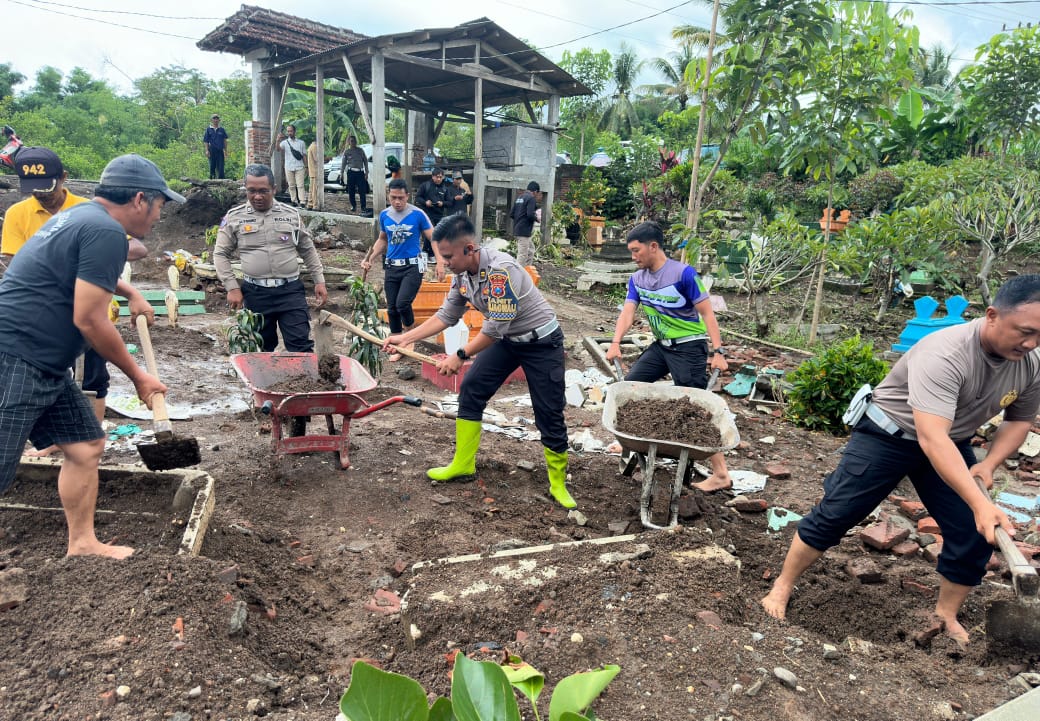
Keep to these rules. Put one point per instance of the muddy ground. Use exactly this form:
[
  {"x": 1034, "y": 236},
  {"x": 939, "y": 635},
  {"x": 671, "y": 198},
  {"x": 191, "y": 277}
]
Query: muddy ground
[{"x": 319, "y": 558}]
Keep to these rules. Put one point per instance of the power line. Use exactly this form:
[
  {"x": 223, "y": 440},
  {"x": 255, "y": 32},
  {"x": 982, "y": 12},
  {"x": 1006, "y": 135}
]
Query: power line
[
  {"x": 125, "y": 12},
  {"x": 103, "y": 22}
]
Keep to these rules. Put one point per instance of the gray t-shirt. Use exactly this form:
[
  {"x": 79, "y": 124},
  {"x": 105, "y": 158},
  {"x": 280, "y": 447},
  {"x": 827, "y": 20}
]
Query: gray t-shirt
[
  {"x": 503, "y": 291},
  {"x": 37, "y": 292},
  {"x": 948, "y": 374}
]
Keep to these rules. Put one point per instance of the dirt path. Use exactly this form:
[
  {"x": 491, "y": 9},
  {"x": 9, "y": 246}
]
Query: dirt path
[{"x": 318, "y": 559}]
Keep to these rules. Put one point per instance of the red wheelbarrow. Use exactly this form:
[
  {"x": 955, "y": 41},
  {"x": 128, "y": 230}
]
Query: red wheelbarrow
[{"x": 261, "y": 371}]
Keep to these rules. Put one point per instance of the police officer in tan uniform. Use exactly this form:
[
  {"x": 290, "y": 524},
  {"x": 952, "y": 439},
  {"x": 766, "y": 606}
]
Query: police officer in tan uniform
[
  {"x": 519, "y": 330},
  {"x": 269, "y": 237}
]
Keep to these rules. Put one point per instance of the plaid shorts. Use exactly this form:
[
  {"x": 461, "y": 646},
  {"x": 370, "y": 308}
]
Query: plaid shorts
[{"x": 40, "y": 407}]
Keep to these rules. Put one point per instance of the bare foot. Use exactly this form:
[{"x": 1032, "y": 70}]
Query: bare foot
[
  {"x": 714, "y": 483},
  {"x": 775, "y": 603},
  {"x": 956, "y": 631},
  {"x": 97, "y": 548},
  {"x": 44, "y": 453}
]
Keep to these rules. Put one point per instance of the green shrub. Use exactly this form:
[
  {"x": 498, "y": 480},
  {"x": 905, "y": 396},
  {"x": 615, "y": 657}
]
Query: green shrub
[
  {"x": 873, "y": 192},
  {"x": 822, "y": 386}
]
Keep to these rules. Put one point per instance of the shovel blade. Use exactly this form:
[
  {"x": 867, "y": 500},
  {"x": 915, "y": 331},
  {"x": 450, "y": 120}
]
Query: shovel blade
[
  {"x": 1014, "y": 623},
  {"x": 175, "y": 453}
]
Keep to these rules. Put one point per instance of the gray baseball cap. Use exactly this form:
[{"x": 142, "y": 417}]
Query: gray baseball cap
[{"x": 133, "y": 171}]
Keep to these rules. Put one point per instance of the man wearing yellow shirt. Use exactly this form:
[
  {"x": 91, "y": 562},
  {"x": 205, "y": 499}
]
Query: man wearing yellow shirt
[{"x": 43, "y": 179}]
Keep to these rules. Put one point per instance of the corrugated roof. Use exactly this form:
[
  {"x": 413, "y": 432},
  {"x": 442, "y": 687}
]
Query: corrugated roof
[{"x": 287, "y": 36}]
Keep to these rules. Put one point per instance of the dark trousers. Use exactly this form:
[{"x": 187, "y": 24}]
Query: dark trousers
[
  {"x": 542, "y": 362},
  {"x": 284, "y": 308},
  {"x": 687, "y": 362},
  {"x": 870, "y": 468},
  {"x": 216, "y": 164},
  {"x": 401, "y": 285},
  {"x": 95, "y": 373},
  {"x": 356, "y": 183}
]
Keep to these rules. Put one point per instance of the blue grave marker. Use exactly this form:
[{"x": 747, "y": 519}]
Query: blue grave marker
[{"x": 923, "y": 323}]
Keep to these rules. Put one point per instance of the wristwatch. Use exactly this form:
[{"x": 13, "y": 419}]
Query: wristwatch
[
  {"x": 461, "y": 353},
  {"x": 719, "y": 351}
]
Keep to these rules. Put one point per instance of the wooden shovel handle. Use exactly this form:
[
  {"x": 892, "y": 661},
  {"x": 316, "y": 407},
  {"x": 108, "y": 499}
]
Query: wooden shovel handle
[
  {"x": 345, "y": 324},
  {"x": 1024, "y": 576},
  {"x": 159, "y": 412}
]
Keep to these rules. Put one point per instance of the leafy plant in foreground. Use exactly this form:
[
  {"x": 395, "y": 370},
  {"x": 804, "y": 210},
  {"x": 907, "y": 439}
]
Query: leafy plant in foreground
[
  {"x": 822, "y": 387},
  {"x": 480, "y": 691},
  {"x": 244, "y": 336},
  {"x": 365, "y": 314}
]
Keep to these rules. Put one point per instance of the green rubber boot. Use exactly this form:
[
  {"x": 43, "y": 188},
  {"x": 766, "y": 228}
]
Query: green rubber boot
[
  {"x": 467, "y": 441},
  {"x": 557, "y": 464}
]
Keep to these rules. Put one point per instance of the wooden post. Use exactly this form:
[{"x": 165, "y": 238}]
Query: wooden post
[
  {"x": 378, "y": 169},
  {"x": 359, "y": 98},
  {"x": 479, "y": 172},
  {"x": 318, "y": 183}
]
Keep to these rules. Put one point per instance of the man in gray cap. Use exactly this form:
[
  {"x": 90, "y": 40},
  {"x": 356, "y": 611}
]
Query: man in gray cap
[{"x": 54, "y": 300}]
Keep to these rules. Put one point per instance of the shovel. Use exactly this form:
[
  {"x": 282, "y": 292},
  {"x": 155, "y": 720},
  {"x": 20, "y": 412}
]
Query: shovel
[
  {"x": 1017, "y": 622},
  {"x": 168, "y": 451},
  {"x": 327, "y": 318}
]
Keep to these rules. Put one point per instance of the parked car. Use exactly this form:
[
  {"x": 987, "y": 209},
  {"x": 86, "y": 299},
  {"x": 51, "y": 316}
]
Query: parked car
[{"x": 334, "y": 171}]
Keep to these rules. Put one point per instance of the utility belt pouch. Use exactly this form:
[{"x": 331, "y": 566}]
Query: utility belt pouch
[{"x": 858, "y": 405}]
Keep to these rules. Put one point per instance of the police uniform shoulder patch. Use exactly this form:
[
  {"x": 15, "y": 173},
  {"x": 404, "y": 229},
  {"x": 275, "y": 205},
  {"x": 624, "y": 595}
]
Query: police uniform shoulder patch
[{"x": 501, "y": 298}]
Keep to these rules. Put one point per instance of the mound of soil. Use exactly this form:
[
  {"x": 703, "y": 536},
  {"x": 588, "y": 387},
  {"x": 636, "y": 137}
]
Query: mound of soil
[{"x": 669, "y": 420}]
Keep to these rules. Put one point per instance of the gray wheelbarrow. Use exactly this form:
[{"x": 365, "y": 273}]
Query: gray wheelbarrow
[{"x": 646, "y": 451}]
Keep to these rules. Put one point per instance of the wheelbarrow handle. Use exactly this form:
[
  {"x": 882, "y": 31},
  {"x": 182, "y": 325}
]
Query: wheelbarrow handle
[
  {"x": 413, "y": 401},
  {"x": 267, "y": 408}
]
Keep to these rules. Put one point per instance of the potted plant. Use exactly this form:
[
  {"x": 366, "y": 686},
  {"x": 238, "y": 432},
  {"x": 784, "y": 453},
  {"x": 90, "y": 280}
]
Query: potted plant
[
  {"x": 564, "y": 221},
  {"x": 588, "y": 195}
]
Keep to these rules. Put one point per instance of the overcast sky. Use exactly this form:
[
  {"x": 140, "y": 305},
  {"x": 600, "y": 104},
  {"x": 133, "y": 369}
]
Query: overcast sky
[{"x": 122, "y": 39}]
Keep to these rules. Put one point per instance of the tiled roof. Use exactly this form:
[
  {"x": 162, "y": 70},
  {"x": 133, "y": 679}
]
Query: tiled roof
[{"x": 289, "y": 37}]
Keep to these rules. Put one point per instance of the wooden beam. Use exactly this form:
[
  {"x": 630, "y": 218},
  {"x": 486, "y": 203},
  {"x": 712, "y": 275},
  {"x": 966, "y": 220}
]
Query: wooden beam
[
  {"x": 430, "y": 47},
  {"x": 439, "y": 126},
  {"x": 276, "y": 162},
  {"x": 517, "y": 67},
  {"x": 359, "y": 97},
  {"x": 530, "y": 110},
  {"x": 469, "y": 70},
  {"x": 317, "y": 196},
  {"x": 276, "y": 126}
]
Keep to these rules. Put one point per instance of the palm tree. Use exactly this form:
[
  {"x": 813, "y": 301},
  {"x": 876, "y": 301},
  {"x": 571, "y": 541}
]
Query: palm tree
[
  {"x": 673, "y": 68},
  {"x": 933, "y": 68},
  {"x": 619, "y": 114}
]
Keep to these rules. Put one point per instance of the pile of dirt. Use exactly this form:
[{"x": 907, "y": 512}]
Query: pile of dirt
[
  {"x": 670, "y": 420},
  {"x": 304, "y": 384}
]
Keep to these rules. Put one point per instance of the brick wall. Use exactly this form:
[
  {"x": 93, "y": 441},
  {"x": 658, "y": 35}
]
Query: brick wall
[
  {"x": 258, "y": 142},
  {"x": 565, "y": 176}
]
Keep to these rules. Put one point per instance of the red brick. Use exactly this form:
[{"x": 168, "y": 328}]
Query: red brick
[
  {"x": 108, "y": 698},
  {"x": 906, "y": 548},
  {"x": 307, "y": 561},
  {"x": 521, "y": 636},
  {"x": 883, "y": 536},
  {"x": 748, "y": 505},
  {"x": 864, "y": 570},
  {"x": 399, "y": 567},
  {"x": 928, "y": 525},
  {"x": 1025, "y": 475},
  {"x": 931, "y": 552},
  {"x": 897, "y": 499},
  {"x": 543, "y": 606},
  {"x": 934, "y": 627},
  {"x": 914, "y": 510},
  {"x": 709, "y": 618},
  {"x": 777, "y": 470},
  {"x": 909, "y": 584},
  {"x": 384, "y": 602}
]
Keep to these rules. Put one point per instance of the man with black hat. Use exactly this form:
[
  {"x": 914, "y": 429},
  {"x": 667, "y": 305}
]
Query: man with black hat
[
  {"x": 434, "y": 197},
  {"x": 460, "y": 194},
  {"x": 524, "y": 215},
  {"x": 215, "y": 142},
  {"x": 54, "y": 300},
  {"x": 43, "y": 177}
]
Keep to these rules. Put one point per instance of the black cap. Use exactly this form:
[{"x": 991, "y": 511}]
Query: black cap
[
  {"x": 214, "y": 116},
  {"x": 133, "y": 171},
  {"x": 457, "y": 175},
  {"x": 40, "y": 169},
  {"x": 533, "y": 187}
]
